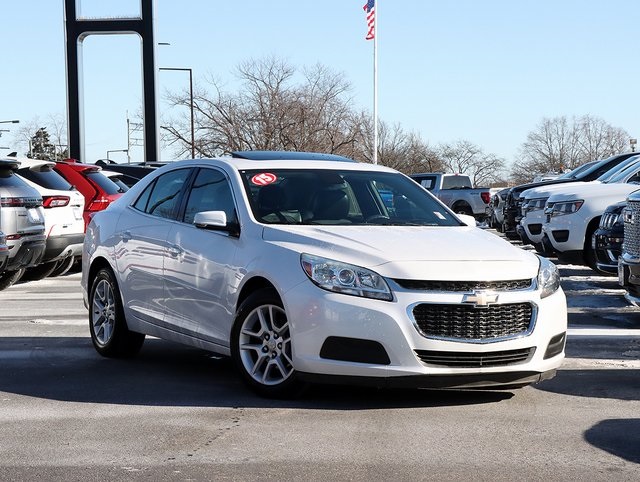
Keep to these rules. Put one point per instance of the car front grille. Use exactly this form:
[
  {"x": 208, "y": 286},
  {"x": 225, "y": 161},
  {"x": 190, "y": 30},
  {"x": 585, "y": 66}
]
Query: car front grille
[
  {"x": 456, "y": 359},
  {"x": 428, "y": 285},
  {"x": 462, "y": 322},
  {"x": 631, "y": 244},
  {"x": 608, "y": 220}
]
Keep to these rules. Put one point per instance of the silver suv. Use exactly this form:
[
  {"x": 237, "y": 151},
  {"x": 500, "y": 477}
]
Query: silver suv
[{"x": 22, "y": 222}]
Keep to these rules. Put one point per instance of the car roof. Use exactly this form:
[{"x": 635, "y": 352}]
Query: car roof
[
  {"x": 240, "y": 164},
  {"x": 9, "y": 163},
  {"x": 288, "y": 155},
  {"x": 79, "y": 166},
  {"x": 30, "y": 163}
]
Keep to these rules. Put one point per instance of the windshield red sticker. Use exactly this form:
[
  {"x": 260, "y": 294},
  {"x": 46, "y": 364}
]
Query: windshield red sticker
[{"x": 263, "y": 179}]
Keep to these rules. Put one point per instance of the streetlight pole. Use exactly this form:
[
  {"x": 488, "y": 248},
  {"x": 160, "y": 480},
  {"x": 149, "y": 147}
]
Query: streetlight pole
[
  {"x": 117, "y": 150},
  {"x": 10, "y": 122},
  {"x": 193, "y": 130}
]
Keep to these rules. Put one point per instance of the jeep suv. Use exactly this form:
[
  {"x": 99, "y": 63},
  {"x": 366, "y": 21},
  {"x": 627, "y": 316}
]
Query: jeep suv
[
  {"x": 63, "y": 209},
  {"x": 22, "y": 222}
]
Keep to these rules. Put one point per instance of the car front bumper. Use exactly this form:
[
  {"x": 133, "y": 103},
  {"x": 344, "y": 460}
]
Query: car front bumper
[
  {"x": 382, "y": 343},
  {"x": 607, "y": 245},
  {"x": 629, "y": 278}
]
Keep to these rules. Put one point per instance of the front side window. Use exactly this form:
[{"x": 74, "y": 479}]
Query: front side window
[
  {"x": 336, "y": 197},
  {"x": 210, "y": 192},
  {"x": 161, "y": 198}
]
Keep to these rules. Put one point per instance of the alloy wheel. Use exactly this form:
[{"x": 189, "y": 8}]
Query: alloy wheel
[{"x": 265, "y": 345}]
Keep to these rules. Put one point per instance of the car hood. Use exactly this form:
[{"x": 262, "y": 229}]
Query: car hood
[
  {"x": 546, "y": 191},
  {"x": 412, "y": 252},
  {"x": 590, "y": 191}
]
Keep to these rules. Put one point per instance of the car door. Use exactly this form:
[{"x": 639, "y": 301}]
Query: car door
[
  {"x": 199, "y": 271},
  {"x": 142, "y": 245}
]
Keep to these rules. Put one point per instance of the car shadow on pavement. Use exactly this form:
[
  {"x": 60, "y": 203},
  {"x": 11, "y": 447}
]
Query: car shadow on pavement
[
  {"x": 168, "y": 374},
  {"x": 619, "y": 437},
  {"x": 616, "y": 383}
]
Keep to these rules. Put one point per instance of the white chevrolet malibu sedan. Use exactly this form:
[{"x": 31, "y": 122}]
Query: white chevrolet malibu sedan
[{"x": 307, "y": 269}]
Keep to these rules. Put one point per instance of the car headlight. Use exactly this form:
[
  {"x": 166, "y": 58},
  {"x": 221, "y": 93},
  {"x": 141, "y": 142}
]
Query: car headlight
[
  {"x": 536, "y": 204},
  {"x": 345, "y": 278},
  {"x": 548, "y": 277},
  {"x": 567, "y": 207}
]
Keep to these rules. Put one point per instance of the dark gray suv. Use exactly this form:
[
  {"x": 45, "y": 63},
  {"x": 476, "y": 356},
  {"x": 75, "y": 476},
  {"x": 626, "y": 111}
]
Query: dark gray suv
[{"x": 22, "y": 222}]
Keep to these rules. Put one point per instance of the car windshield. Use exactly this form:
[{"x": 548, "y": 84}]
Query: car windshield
[
  {"x": 341, "y": 197},
  {"x": 630, "y": 166},
  {"x": 572, "y": 174}
]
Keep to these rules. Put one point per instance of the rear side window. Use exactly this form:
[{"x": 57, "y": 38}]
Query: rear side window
[
  {"x": 46, "y": 177},
  {"x": 106, "y": 184},
  {"x": 427, "y": 182},
  {"x": 162, "y": 197},
  {"x": 456, "y": 182}
]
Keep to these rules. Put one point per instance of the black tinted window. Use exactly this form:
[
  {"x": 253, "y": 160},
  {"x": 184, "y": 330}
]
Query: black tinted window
[
  {"x": 46, "y": 177},
  {"x": 103, "y": 181},
  {"x": 210, "y": 192},
  {"x": 164, "y": 194}
]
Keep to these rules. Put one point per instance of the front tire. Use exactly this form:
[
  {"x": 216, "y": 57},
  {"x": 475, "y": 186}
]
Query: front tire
[
  {"x": 261, "y": 346},
  {"x": 109, "y": 332}
]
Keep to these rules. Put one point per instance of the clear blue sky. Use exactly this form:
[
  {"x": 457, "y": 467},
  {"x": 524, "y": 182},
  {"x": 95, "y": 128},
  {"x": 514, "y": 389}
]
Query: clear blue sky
[{"x": 486, "y": 71}]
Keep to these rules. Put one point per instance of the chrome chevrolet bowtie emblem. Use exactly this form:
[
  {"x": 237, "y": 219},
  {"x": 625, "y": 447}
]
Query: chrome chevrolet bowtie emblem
[{"x": 480, "y": 299}]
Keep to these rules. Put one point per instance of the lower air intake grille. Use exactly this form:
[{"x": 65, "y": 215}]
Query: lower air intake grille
[
  {"x": 466, "y": 322},
  {"x": 475, "y": 360}
]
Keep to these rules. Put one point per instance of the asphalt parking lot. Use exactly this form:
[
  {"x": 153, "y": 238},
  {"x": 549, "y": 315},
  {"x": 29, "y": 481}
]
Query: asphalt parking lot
[{"x": 177, "y": 413}]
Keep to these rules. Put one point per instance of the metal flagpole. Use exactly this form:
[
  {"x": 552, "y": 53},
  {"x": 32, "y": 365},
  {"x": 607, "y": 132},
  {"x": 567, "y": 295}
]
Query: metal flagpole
[{"x": 375, "y": 83}]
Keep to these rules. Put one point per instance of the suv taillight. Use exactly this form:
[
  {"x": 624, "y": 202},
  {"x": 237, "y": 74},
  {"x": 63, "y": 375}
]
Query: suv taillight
[
  {"x": 20, "y": 202},
  {"x": 485, "y": 196},
  {"x": 55, "y": 201},
  {"x": 98, "y": 204}
]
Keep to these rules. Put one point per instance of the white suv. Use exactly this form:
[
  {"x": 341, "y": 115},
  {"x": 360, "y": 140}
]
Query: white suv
[
  {"x": 573, "y": 214},
  {"x": 63, "y": 208},
  {"x": 22, "y": 222},
  {"x": 318, "y": 270}
]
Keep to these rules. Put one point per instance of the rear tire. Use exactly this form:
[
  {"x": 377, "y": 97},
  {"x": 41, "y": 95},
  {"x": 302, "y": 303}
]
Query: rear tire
[
  {"x": 63, "y": 266},
  {"x": 7, "y": 278},
  {"x": 39, "y": 272},
  {"x": 463, "y": 209},
  {"x": 109, "y": 332}
]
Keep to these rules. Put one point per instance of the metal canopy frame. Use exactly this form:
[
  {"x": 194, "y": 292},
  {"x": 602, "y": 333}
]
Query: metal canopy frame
[{"x": 77, "y": 30}]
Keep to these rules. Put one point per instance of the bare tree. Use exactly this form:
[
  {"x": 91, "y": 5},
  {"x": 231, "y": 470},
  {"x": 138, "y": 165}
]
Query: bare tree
[
  {"x": 271, "y": 112},
  {"x": 557, "y": 144},
  {"x": 465, "y": 157}
]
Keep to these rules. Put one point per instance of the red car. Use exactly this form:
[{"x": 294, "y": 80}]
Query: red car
[{"x": 98, "y": 190}]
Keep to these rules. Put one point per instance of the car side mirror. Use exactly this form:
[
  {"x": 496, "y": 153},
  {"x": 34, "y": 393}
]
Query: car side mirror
[
  {"x": 216, "y": 221},
  {"x": 468, "y": 220}
]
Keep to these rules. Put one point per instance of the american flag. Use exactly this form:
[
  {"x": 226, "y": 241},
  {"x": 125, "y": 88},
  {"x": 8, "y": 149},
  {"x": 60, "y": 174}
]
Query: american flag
[{"x": 371, "y": 19}]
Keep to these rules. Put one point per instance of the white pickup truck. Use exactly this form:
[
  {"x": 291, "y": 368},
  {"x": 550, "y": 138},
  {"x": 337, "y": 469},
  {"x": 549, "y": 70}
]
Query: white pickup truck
[{"x": 457, "y": 192}]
